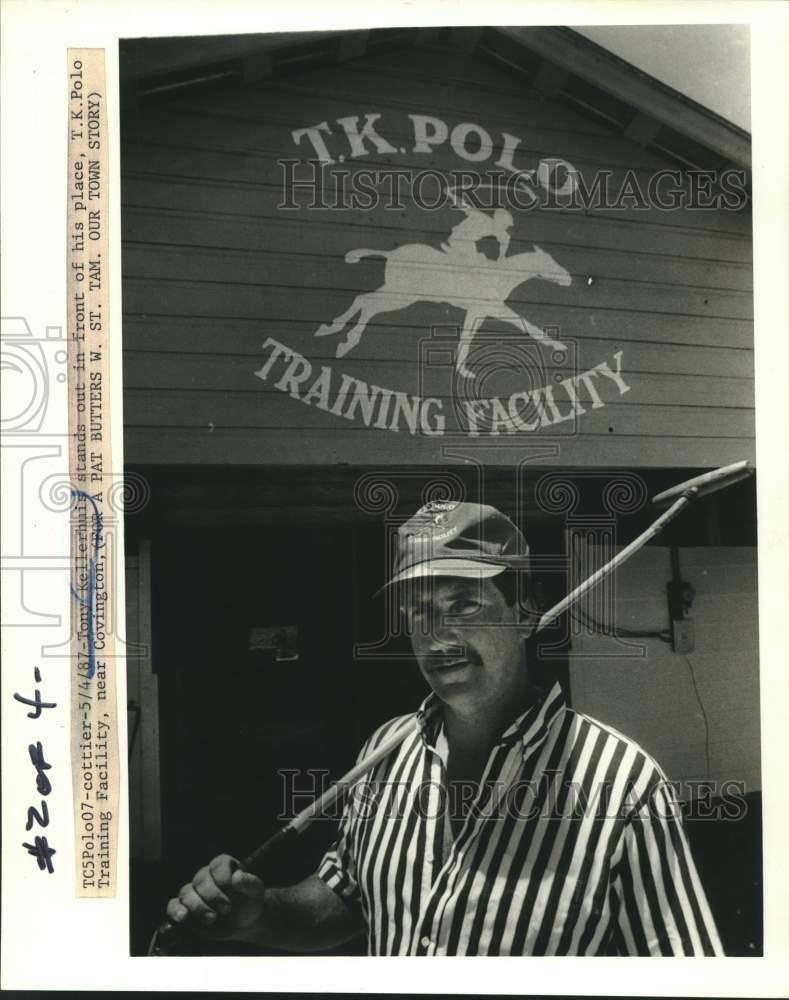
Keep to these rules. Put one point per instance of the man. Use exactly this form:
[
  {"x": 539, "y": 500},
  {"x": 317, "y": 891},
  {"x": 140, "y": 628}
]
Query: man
[
  {"x": 463, "y": 239},
  {"x": 505, "y": 823}
]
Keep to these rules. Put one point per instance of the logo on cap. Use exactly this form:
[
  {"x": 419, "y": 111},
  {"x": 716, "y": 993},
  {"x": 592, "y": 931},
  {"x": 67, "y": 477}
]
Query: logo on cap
[{"x": 438, "y": 511}]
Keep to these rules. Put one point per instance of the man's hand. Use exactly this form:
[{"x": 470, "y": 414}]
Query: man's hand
[{"x": 221, "y": 902}]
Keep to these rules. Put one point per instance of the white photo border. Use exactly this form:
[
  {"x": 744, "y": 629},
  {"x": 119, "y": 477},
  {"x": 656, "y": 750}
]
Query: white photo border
[{"x": 50, "y": 939}]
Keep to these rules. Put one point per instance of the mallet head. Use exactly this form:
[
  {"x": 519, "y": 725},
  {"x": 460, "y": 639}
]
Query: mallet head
[{"x": 708, "y": 482}]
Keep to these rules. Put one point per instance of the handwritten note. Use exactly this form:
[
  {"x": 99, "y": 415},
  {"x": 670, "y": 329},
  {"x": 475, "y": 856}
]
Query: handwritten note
[{"x": 38, "y": 815}]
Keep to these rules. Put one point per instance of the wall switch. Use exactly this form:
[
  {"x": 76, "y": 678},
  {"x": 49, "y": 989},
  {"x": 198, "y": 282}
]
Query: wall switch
[{"x": 684, "y": 635}]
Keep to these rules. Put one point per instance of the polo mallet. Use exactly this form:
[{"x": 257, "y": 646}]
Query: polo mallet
[{"x": 678, "y": 498}]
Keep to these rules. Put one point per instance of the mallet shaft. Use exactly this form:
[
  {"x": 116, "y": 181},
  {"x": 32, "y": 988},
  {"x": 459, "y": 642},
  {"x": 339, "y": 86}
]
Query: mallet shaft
[
  {"x": 618, "y": 559},
  {"x": 329, "y": 797}
]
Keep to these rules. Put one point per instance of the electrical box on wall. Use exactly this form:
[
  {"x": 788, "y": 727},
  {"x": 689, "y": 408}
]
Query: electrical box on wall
[
  {"x": 683, "y": 635},
  {"x": 680, "y": 595}
]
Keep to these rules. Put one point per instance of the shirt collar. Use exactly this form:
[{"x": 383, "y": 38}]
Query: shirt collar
[{"x": 530, "y": 727}]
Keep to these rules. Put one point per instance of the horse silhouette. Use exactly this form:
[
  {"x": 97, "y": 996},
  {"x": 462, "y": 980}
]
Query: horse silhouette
[{"x": 416, "y": 272}]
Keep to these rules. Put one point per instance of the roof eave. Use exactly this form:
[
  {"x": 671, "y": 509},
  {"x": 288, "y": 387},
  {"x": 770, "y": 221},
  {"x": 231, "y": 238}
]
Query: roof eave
[{"x": 584, "y": 59}]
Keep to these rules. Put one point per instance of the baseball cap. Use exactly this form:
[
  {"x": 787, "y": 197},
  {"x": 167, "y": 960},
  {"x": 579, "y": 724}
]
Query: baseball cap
[{"x": 455, "y": 538}]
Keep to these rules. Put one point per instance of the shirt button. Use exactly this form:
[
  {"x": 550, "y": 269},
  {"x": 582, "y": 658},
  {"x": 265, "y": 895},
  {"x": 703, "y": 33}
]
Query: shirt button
[{"x": 425, "y": 942}]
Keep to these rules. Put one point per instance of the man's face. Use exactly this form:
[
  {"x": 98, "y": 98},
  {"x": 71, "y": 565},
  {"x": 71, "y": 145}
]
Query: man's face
[{"x": 467, "y": 641}]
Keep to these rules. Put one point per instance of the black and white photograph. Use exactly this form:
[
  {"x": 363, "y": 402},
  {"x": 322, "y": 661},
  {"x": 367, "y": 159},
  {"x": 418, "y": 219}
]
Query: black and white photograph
[
  {"x": 394, "y": 497},
  {"x": 442, "y": 582}
]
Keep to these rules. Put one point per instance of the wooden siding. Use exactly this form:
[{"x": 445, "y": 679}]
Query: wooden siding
[{"x": 212, "y": 268}]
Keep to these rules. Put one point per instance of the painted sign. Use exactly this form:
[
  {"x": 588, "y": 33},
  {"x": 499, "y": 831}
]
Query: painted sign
[
  {"x": 460, "y": 275},
  {"x": 455, "y": 274},
  {"x": 378, "y": 261},
  {"x": 524, "y": 411}
]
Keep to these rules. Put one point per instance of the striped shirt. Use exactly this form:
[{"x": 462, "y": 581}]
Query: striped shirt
[{"x": 573, "y": 845}]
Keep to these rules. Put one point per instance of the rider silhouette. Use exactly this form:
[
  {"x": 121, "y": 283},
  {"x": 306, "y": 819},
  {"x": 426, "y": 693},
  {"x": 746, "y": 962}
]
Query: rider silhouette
[{"x": 477, "y": 226}]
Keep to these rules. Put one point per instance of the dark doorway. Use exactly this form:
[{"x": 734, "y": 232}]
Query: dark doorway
[{"x": 240, "y": 557}]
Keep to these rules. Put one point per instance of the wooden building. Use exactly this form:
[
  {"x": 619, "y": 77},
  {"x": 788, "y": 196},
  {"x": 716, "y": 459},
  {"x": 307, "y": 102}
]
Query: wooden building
[{"x": 290, "y": 400}]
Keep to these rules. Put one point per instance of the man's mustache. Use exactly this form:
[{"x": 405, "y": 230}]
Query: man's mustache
[{"x": 440, "y": 661}]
